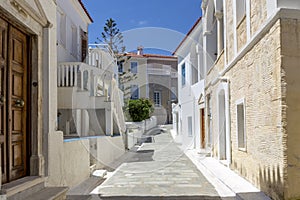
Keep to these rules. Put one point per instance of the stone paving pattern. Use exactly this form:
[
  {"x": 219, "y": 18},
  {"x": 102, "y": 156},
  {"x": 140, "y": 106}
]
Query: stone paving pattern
[{"x": 160, "y": 169}]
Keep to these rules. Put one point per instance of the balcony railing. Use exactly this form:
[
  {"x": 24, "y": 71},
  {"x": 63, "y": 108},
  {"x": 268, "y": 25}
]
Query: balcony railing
[{"x": 95, "y": 76}]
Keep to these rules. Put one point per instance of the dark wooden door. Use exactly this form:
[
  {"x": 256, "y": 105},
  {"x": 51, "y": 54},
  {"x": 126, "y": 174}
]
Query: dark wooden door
[
  {"x": 202, "y": 128},
  {"x": 13, "y": 108},
  {"x": 3, "y": 102}
]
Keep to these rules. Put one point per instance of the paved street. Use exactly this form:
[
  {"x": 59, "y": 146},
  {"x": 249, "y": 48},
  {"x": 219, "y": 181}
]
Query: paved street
[{"x": 158, "y": 169}]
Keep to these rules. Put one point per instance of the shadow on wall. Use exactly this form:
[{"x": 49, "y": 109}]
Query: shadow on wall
[{"x": 271, "y": 181}]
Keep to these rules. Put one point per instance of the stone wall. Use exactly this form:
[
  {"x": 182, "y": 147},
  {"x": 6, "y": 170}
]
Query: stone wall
[
  {"x": 258, "y": 13},
  {"x": 256, "y": 78},
  {"x": 290, "y": 39},
  {"x": 229, "y": 31}
]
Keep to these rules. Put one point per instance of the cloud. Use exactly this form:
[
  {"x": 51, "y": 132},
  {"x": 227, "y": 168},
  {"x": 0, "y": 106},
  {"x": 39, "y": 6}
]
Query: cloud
[
  {"x": 138, "y": 23},
  {"x": 144, "y": 22}
]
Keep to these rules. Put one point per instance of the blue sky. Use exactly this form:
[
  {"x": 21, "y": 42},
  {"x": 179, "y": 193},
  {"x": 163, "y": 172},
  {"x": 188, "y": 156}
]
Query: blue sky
[{"x": 169, "y": 20}]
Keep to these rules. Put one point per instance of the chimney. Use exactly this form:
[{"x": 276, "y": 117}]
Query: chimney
[{"x": 140, "y": 50}]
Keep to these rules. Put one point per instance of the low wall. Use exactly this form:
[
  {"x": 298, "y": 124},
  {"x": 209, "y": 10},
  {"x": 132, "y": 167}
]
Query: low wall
[
  {"x": 69, "y": 160},
  {"x": 76, "y": 161},
  {"x": 105, "y": 150}
]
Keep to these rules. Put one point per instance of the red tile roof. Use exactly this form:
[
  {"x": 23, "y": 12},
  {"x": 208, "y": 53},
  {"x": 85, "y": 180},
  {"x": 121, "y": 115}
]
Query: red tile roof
[
  {"x": 85, "y": 10},
  {"x": 149, "y": 56},
  {"x": 187, "y": 35}
]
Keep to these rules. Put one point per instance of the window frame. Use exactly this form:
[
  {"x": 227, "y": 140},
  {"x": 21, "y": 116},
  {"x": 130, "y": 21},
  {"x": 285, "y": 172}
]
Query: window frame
[
  {"x": 183, "y": 75},
  {"x": 120, "y": 66},
  {"x": 159, "y": 99},
  {"x": 132, "y": 91},
  {"x": 74, "y": 46},
  {"x": 241, "y": 102},
  {"x": 240, "y": 16},
  {"x": 62, "y": 37},
  {"x": 132, "y": 62}
]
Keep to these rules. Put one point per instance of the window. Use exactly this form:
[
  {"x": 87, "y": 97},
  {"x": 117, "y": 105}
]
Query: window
[
  {"x": 134, "y": 92},
  {"x": 120, "y": 68},
  {"x": 240, "y": 10},
  {"x": 133, "y": 67},
  {"x": 74, "y": 41},
  {"x": 157, "y": 98},
  {"x": 84, "y": 45},
  {"x": 190, "y": 126},
  {"x": 241, "y": 125},
  {"x": 62, "y": 27},
  {"x": 173, "y": 93},
  {"x": 183, "y": 74}
]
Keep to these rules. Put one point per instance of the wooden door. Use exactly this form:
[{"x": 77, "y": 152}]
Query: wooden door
[
  {"x": 202, "y": 122},
  {"x": 3, "y": 102},
  {"x": 17, "y": 98},
  {"x": 13, "y": 102}
]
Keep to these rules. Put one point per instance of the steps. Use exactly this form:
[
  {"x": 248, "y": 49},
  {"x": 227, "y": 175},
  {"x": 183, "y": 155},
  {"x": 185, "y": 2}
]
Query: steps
[
  {"x": 33, "y": 188},
  {"x": 82, "y": 191},
  {"x": 50, "y": 193}
]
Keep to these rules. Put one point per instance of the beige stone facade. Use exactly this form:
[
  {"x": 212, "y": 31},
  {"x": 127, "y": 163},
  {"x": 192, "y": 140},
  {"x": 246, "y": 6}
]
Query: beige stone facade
[
  {"x": 259, "y": 71},
  {"x": 155, "y": 74}
]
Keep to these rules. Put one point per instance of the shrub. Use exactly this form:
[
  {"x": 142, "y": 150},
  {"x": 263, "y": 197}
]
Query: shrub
[{"x": 139, "y": 109}]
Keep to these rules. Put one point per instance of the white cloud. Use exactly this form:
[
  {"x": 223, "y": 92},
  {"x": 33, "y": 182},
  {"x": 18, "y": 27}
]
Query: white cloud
[{"x": 144, "y": 22}]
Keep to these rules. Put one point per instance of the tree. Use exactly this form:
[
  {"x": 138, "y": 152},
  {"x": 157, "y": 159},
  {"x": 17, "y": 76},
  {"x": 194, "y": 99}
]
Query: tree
[
  {"x": 139, "y": 109},
  {"x": 113, "y": 37}
]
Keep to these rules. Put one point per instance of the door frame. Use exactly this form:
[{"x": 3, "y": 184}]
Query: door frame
[
  {"x": 224, "y": 88},
  {"x": 35, "y": 158},
  {"x": 9, "y": 107}
]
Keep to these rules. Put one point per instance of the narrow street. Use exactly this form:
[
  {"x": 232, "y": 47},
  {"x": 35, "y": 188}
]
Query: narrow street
[{"x": 157, "y": 170}]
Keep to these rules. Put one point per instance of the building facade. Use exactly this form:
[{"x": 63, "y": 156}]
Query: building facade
[
  {"x": 188, "y": 114},
  {"x": 153, "y": 77},
  {"x": 28, "y": 103},
  {"x": 251, "y": 92}
]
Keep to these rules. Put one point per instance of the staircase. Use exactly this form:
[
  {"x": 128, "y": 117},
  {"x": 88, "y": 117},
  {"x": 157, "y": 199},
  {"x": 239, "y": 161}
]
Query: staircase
[
  {"x": 33, "y": 188},
  {"x": 92, "y": 86}
]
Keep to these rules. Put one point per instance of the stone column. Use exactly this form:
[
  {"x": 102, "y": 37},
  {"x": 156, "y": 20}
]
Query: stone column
[{"x": 219, "y": 16}]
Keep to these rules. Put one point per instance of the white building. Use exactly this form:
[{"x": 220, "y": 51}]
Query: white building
[
  {"x": 88, "y": 94},
  {"x": 188, "y": 114}
]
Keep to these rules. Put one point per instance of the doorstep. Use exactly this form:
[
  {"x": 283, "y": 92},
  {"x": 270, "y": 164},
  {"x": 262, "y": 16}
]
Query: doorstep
[
  {"x": 22, "y": 184},
  {"x": 226, "y": 182}
]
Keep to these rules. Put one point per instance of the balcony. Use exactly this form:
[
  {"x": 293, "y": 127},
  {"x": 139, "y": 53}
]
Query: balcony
[{"x": 84, "y": 87}]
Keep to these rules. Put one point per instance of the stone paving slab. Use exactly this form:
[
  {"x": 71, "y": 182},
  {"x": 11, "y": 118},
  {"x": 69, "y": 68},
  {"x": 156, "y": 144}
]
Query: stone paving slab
[{"x": 169, "y": 173}]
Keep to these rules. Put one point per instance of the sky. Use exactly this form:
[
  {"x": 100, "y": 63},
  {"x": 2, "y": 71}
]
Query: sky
[{"x": 153, "y": 24}]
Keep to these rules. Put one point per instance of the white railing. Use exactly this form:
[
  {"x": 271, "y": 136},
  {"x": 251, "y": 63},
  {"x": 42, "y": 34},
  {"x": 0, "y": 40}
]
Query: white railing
[
  {"x": 80, "y": 75},
  {"x": 118, "y": 110},
  {"x": 97, "y": 71},
  {"x": 96, "y": 56},
  {"x": 157, "y": 71}
]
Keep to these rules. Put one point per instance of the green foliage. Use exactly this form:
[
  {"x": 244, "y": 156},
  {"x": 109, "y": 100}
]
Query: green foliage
[
  {"x": 112, "y": 36},
  {"x": 139, "y": 109}
]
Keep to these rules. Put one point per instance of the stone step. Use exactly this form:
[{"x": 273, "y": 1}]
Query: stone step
[
  {"x": 33, "y": 188},
  {"x": 79, "y": 197},
  {"x": 23, "y": 187},
  {"x": 49, "y": 193},
  {"x": 86, "y": 186}
]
